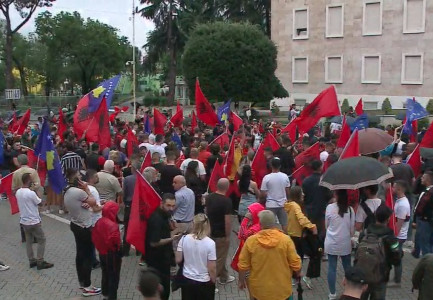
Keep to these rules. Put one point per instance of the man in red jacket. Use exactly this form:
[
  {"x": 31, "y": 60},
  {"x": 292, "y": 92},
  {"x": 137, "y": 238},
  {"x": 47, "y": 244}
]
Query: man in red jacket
[{"x": 106, "y": 238}]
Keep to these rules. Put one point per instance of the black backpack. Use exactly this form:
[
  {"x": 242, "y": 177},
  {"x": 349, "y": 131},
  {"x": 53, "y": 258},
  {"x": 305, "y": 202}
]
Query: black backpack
[{"x": 371, "y": 218}]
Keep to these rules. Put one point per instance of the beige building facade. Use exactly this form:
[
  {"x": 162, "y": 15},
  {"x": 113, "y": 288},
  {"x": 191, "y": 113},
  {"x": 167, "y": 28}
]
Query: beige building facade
[{"x": 369, "y": 49}]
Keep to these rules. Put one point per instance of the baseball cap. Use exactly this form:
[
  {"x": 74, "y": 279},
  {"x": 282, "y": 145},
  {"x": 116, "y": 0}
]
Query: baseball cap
[{"x": 355, "y": 274}]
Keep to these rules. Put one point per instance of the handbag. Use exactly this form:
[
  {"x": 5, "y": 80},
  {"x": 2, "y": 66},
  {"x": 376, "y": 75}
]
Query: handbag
[{"x": 179, "y": 280}]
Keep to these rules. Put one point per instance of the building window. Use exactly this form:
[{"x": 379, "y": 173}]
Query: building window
[
  {"x": 300, "y": 23},
  {"x": 414, "y": 16},
  {"x": 300, "y": 103},
  {"x": 299, "y": 69},
  {"x": 334, "y": 20},
  {"x": 334, "y": 69},
  {"x": 370, "y": 105},
  {"x": 412, "y": 68},
  {"x": 371, "y": 69},
  {"x": 372, "y": 17}
]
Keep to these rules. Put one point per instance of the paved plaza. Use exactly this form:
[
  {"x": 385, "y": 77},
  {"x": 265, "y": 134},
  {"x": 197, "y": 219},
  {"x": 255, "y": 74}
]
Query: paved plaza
[{"x": 60, "y": 282}]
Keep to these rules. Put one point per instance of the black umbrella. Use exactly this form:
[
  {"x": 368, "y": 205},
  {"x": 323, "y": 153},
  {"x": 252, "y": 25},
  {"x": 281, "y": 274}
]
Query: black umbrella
[
  {"x": 300, "y": 290},
  {"x": 354, "y": 173}
]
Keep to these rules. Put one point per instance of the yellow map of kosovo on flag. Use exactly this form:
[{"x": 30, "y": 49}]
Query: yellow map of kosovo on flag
[{"x": 50, "y": 160}]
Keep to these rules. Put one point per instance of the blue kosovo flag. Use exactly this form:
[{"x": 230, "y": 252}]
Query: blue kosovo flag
[
  {"x": 175, "y": 138},
  {"x": 224, "y": 112},
  {"x": 147, "y": 128},
  {"x": 2, "y": 150},
  {"x": 45, "y": 149},
  {"x": 105, "y": 89},
  {"x": 361, "y": 122}
]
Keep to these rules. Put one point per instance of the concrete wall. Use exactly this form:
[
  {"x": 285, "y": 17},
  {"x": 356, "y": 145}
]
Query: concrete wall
[{"x": 352, "y": 46}]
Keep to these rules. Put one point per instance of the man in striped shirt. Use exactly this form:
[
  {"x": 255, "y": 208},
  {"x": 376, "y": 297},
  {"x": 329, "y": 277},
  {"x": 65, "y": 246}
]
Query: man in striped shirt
[{"x": 71, "y": 160}]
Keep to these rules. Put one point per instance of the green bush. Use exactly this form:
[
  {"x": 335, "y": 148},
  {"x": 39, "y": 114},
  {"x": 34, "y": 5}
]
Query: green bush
[
  {"x": 386, "y": 106},
  {"x": 345, "y": 106},
  {"x": 429, "y": 107},
  {"x": 423, "y": 123},
  {"x": 154, "y": 101}
]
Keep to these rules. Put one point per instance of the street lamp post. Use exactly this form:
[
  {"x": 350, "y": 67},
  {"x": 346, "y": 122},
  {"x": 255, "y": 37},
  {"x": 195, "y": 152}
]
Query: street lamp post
[{"x": 133, "y": 59}]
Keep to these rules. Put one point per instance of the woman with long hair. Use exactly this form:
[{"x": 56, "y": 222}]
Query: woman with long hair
[
  {"x": 340, "y": 227},
  {"x": 195, "y": 184},
  {"x": 198, "y": 253},
  {"x": 249, "y": 191}
]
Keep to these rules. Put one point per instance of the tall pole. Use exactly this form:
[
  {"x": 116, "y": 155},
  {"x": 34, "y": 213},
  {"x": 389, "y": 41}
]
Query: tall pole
[{"x": 133, "y": 60}]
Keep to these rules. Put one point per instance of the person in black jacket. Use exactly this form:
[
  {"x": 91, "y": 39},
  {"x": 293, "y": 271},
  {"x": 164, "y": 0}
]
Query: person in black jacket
[
  {"x": 392, "y": 252},
  {"x": 285, "y": 155}
]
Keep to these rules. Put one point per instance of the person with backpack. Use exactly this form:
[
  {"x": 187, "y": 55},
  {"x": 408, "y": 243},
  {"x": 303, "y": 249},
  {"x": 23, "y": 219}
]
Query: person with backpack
[
  {"x": 367, "y": 208},
  {"x": 340, "y": 227},
  {"x": 377, "y": 251}
]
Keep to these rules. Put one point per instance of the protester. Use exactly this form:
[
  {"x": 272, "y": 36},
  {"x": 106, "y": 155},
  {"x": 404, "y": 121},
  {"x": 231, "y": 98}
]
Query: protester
[
  {"x": 194, "y": 183},
  {"x": 168, "y": 172},
  {"x": 339, "y": 222},
  {"x": 297, "y": 222},
  {"x": 159, "y": 243},
  {"x": 204, "y": 154},
  {"x": 108, "y": 186},
  {"x": 93, "y": 159},
  {"x": 106, "y": 237},
  {"x": 128, "y": 193},
  {"x": 91, "y": 177},
  {"x": 159, "y": 146},
  {"x": 285, "y": 155},
  {"x": 375, "y": 258},
  {"x": 249, "y": 191},
  {"x": 262, "y": 255},
  {"x": 193, "y": 156},
  {"x": 354, "y": 284},
  {"x": 367, "y": 207},
  {"x": 28, "y": 202},
  {"x": 421, "y": 277},
  {"x": 185, "y": 206},
  {"x": 402, "y": 216},
  {"x": 149, "y": 284},
  {"x": 316, "y": 198},
  {"x": 219, "y": 211},
  {"x": 276, "y": 186},
  {"x": 424, "y": 216},
  {"x": 198, "y": 254},
  {"x": 78, "y": 201}
]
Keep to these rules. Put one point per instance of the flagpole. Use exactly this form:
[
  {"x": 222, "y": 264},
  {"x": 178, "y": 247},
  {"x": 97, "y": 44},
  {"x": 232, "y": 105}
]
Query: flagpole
[{"x": 133, "y": 60}]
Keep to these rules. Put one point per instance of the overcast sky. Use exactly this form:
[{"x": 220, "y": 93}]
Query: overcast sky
[{"x": 117, "y": 13}]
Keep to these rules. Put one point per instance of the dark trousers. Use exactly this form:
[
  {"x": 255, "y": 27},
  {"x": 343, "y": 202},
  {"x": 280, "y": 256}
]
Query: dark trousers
[
  {"x": 164, "y": 274},
  {"x": 195, "y": 290},
  {"x": 110, "y": 267},
  {"x": 83, "y": 258},
  {"x": 398, "y": 269},
  {"x": 126, "y": 215},
  {"x": 375, "y": 292},
  {"x": 298, "y": 245}
]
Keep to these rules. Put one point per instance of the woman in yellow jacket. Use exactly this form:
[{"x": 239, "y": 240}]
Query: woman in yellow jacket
[{"x": 297, "y": 222}]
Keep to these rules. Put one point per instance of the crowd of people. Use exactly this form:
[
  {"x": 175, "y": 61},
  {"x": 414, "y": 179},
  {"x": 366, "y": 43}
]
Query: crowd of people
[{"x": 282, "y": 223}]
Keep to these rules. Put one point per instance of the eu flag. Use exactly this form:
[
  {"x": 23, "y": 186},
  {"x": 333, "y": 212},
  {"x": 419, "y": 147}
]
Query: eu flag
[
  {"x": 361, "y": 122},
  {"x": 176, "y": 139},
  {"x": 224, "y": 112},
  {"x": 105, "y": 89},
  {"x": 414, "y": 111},
  {"x": 45, "y": 148},
  {"x": 2, "y": 142}
]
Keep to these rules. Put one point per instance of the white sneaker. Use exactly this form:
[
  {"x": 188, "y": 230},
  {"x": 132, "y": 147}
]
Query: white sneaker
[
  {"x": 216, "y": 291},
  {"x": 332, "y": 296},
  {"x": 61, "y": 212},
  {"x": 4, "y": 267},
  {"x": 229, "y": 279},
  {"x": 307, "y": 282}
]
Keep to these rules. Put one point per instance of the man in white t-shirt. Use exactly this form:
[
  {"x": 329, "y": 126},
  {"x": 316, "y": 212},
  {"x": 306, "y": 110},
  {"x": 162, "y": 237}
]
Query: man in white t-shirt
[
  {"x": 276, "y": 186},
  {"x": 159, "y": 146},
  {"x": 402, "y": 216},
  {"x": 372, "y": 203},
  {"x": 30, "y": 219},
  {"x": 193, "y": 156}
]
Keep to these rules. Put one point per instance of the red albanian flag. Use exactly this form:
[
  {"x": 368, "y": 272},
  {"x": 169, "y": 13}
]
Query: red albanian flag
[
  {"x": 21, "y": 125},
  {"x": 345, "y": 134},
  {"x": 159, "y": 121},
  {"x": 6, "y": 187},
  {"x": 312, "y": 153},
  {"x": 205, "y": 112},
  {"x": 359, "y": 109}
]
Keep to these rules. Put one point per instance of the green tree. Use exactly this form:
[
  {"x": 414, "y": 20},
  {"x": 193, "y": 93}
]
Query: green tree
[
  {"x": 88, "y": 48},
  {"x": 345, "y": 106},
  {"x": 386, "y": 106},
  {"x": 429, "y": 107},
  {"x": 233, "y": 61},
  {"x": 25, "y": 9}
]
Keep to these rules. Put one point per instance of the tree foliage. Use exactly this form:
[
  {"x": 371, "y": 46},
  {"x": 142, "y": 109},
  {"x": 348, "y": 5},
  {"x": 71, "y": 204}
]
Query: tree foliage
[
  {"x": 345, "y": 106},
  {"x": 233, "y": 61},
  {"x": 429, "y": 107},
  {"x": 89, "y": 49},
  {"x": 386, "y": 106}
]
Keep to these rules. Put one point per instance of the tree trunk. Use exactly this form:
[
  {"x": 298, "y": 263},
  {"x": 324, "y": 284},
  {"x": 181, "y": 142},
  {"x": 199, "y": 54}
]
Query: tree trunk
[
  {"x": 22, "y": 76},
  {"x": 8, "y": 61},
  {"x": 268, "y": 19},
  {"x": 172, "y": 53}
]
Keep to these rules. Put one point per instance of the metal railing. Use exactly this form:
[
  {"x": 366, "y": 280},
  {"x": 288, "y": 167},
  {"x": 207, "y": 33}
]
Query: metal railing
[{"x": 37, "y": 103}]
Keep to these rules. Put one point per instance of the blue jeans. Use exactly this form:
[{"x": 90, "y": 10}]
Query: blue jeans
[
  {"x": 423, "y": 237},
  {"x": 332, "y": 269}
]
